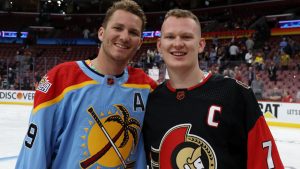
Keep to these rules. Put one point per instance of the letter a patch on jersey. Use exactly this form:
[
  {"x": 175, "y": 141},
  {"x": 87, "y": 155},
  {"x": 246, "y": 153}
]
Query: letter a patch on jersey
[{"x": 138, "y": 102}]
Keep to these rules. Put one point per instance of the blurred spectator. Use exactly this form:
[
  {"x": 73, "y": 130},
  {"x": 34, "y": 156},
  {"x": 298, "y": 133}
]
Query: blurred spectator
[
  {"x": 283, "y": 43},
  {"x": 11, "y": 77},
  {"x": 272, "y": 72},
  {"x": 26, "y": 82},
  {"x": 215, "y": 41},
  {"x": 157, "y": 58},
  {"x": 30, "y": 61},
  {"x": 237, "y": 73},
  {"x": 221, "y": 54},
  {"x": 284, "y": 60},
  {"x": 212, "y": 55},
  {"x": 276, "y": 58},
  {"x": 292, "y": 45},
  {"x": 149, "y": 58},
  {"x": 251, "y": 75},
  {"x": 259, "y": 61},
  {"x": 249, "y": 43},
  {"x": 86, "y": 33},
  {"x": 234, "y": 52},
  {"x": 288, "y": 48},
  {"x": 215, "y": 70},
  {"x": 275, "y": 94},
  {"x": 19, "y": 56},
  {"x": 298, "y": 66},
  {"x": 249, "y": 58},
  {"x": 228, "y": 72},
  {"x": 257, "y": 86},
  {"x": 286, "y": 97},
  {"x": 266, "y": 50}
]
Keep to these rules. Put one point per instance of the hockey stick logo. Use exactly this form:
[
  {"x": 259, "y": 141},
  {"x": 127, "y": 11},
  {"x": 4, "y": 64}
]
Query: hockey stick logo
[{"x": 129, "y": 125}]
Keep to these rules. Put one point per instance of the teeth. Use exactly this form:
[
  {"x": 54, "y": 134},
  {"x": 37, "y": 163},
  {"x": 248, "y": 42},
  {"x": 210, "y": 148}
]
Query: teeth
[
  {"x": 121, "y": 46},
  {"x": 178, "y": 53}
]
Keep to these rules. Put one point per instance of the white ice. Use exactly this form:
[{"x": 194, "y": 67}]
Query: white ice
[
  {"x": 14, "y": 123},
  {"x": 13, "y": 126}
]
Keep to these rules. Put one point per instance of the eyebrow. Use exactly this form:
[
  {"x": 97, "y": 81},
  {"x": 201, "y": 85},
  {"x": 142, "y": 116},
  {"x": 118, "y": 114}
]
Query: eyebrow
[
  {"x": 130, "y": 29},
  {"x": 180, "y": 34}
]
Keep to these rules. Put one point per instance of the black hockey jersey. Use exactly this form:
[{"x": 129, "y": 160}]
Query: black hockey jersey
[{"x": 215, "y": 124}]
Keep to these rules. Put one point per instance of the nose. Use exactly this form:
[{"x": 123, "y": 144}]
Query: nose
[
  {"x": 124, "y": 36},
  {"x": 178, "y": 43}
]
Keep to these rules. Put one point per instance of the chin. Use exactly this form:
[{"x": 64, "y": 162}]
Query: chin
[{"x": 178, "y": 66}]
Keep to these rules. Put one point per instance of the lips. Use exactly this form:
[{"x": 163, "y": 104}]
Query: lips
[
  {"x": 176, "y": 53},
  {"x": 122, "y": 46}
]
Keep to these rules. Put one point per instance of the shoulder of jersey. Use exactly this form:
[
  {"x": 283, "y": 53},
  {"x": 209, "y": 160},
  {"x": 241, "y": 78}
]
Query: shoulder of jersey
[
  {"x": 138, "y": 76},
  {"x": 220, "y": 78},
  {"x": 61, "y": 79}
]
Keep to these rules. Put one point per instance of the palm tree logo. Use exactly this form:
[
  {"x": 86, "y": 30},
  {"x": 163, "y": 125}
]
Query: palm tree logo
[{"x": 129, "y": 125}]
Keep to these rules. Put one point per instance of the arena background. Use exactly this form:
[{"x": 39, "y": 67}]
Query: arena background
[{"x": 36, "y": 35}]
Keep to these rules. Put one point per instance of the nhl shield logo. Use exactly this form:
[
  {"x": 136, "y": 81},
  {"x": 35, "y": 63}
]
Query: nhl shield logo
[
  {"x": 110, "y": 81},
  {"x": 180, "y": 95}
]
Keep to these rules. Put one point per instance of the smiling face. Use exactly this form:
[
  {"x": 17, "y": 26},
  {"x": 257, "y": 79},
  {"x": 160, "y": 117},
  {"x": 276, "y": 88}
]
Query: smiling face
[
  {"x": 180, "y": 42},
  {"x": 121, "y": 37}
]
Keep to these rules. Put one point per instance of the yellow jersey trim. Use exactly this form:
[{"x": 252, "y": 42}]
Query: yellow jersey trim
[
  {"x": 139, "y": 86},
  {"x": 61, "y": 96}
]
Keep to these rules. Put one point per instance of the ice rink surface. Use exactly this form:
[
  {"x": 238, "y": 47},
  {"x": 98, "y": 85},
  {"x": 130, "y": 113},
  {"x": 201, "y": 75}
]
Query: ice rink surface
[{"x": 14, "y": 122}]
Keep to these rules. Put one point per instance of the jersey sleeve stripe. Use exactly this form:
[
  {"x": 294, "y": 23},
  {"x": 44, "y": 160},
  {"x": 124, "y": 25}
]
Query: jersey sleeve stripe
[
  {"x": 258, "y": 155},
  {"x": 61, "y": 96}
]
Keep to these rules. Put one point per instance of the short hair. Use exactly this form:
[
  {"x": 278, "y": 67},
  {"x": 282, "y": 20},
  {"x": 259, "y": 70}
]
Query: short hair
[
  {"x": 181, "y": 13},
  {"x": 126, "y": 5}
]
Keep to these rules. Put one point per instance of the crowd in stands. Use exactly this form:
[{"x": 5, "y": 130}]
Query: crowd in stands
[
  {"x": 266, "y": 64},
  {"x": 17, "y": 73},
  {"x": 275, "y": 65},
  {"x": 270, "y": 67}
]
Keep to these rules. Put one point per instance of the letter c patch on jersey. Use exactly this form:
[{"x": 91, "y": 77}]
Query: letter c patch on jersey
[{"x": 211, "y": 121}]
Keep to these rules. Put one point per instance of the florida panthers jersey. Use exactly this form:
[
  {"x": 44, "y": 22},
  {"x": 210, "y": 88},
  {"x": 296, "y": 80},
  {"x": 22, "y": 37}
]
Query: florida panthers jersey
[
  {"x": 216, "y": 124},
  {"x": 82, "y": 119}
]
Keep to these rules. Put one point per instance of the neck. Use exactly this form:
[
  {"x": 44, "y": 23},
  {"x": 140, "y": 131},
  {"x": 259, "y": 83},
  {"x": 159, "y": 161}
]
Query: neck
[
  {"x": 107, "y": 66},
  {"x": 185, "y": 79}
]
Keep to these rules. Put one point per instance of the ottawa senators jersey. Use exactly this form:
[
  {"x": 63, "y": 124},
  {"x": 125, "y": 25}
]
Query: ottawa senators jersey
[
  {"x": 216, "y": 124},
  {"x": 83, "y": 119}
]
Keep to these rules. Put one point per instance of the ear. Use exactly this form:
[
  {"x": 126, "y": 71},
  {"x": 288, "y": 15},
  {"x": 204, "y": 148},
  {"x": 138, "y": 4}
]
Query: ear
[
  {"x": 140, "y": 44},
  {"x": 202, "y": 44},
  {"x": 158, "y": 45},
  {"x": 101, "y": 33}
]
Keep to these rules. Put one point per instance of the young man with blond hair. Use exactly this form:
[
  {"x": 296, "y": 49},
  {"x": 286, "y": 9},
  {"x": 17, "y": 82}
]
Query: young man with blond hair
[{"x": 205, "y": 121}]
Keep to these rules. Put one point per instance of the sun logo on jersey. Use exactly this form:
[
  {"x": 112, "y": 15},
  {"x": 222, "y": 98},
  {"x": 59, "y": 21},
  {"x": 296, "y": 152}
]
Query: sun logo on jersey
[
  {"x": 179, "y": 149},
  {"x": 112, "y": 139}
]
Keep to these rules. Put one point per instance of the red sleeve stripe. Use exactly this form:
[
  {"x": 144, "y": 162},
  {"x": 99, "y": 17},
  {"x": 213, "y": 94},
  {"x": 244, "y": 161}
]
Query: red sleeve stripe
[
  {"x": 61, "y": 96},
  {"x": 261, "y": 156}
]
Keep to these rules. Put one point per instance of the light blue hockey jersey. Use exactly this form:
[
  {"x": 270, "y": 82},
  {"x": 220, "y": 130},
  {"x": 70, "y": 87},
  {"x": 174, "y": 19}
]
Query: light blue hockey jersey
[{"x": 82, "y": 119}]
